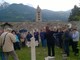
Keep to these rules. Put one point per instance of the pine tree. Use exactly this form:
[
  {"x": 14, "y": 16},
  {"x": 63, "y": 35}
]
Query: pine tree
[{"x": 75, "y": 14}]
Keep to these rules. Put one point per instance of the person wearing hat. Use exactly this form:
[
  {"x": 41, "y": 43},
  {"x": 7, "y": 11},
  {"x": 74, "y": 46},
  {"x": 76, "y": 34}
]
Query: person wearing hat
[{"x": 7, "y": 39}]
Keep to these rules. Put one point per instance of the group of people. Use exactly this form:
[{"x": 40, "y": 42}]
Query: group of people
[
  {"x": 49, "y": 37},
  {"x": 62, "y": 37}
]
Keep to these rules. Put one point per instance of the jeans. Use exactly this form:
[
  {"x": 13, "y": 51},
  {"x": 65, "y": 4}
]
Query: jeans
[
  {"x": 66, "y": 47},
  {"x": 1, "y": 55},
  {"x": 44, "y": 42},
  {"x": 12, "y": 53}
]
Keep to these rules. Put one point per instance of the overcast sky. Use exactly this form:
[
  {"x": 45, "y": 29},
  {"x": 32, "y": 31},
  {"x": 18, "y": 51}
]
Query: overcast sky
[{"x": 55, "y": 5}]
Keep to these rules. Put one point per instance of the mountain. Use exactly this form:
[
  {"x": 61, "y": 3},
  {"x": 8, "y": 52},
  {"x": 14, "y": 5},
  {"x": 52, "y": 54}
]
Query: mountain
[
  {"x": 17, "y": 12},
  {"x": 4, "y": 5},
  {"x": 20, "y": 12},
  {"x": 53, "y": 15}
]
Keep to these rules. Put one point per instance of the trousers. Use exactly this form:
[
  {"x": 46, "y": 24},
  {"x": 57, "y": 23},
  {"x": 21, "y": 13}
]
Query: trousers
[{"x": 12, "y": 53}]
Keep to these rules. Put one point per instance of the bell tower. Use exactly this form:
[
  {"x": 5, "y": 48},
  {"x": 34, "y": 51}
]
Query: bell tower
[{"x": 38, "y": 14}]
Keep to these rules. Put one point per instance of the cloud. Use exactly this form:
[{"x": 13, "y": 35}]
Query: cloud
[{"x": 49, "y": 4}]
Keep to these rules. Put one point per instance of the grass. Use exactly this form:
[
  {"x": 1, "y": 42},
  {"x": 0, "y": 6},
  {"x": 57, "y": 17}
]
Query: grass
[{"x": 41, "y": 53}]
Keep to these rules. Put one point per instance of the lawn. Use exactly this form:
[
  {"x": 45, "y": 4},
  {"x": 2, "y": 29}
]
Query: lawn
[{"x": 41, "y": 53}]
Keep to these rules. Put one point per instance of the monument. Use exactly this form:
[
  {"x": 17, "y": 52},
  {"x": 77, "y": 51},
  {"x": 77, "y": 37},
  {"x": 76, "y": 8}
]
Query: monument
[{"x": 33, "y": 51}]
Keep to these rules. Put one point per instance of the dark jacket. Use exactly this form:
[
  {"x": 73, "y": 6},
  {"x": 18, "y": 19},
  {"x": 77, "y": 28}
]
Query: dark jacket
[
  {"x": 28, "y": 37},
  {"x": 49, "y": 37},
  {"x": 42, "y": 35},
  {"x": 65, "y": 36},
  {"x": 36, "y": 35}
]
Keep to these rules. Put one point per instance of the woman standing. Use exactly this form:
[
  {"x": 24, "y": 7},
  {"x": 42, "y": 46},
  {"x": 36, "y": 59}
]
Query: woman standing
[
  {"x": 50, "y": 42},
  {"x": 17, "y": 43}
]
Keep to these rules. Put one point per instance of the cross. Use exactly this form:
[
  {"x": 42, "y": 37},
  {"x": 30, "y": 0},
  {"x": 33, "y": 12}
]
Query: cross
[{"x": 33, "y": 53}]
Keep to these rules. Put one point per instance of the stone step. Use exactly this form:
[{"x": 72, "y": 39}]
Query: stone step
[{"x": 49, "y": 58}]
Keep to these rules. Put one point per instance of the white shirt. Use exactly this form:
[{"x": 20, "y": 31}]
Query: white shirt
[{"x": 75, "y": 36}]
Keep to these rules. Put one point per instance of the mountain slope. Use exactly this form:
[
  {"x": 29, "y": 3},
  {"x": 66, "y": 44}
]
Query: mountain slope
[
  {"x": 17, "y": 12},
  {"x": 20, "y": 12},
  {"x": 52, "y": 15}
]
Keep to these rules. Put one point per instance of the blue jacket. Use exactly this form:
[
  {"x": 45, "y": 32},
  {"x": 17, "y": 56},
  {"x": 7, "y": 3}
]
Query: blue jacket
[
  {"x": 42, "y": 35},
  {"x": 28, "y": 37}
]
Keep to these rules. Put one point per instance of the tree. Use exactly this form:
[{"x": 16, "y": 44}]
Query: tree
[{"x": 75, "y": 14}]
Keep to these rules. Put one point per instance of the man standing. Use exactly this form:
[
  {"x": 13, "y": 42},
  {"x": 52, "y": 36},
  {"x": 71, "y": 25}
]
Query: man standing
[
  {"x": 43, "y": 38},
  {"x": 75, "y": 37},
  {"x": 7, "y": 40},
  {"x": 65, "y": 37}
]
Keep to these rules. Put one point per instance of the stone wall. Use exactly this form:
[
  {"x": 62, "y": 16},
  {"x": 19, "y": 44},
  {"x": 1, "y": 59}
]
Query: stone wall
[{"x": 39, "y": 25}]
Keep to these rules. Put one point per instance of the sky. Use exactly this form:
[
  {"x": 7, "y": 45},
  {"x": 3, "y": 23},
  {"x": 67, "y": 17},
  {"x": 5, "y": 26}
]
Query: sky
[{"x": 55, "y": 5}]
